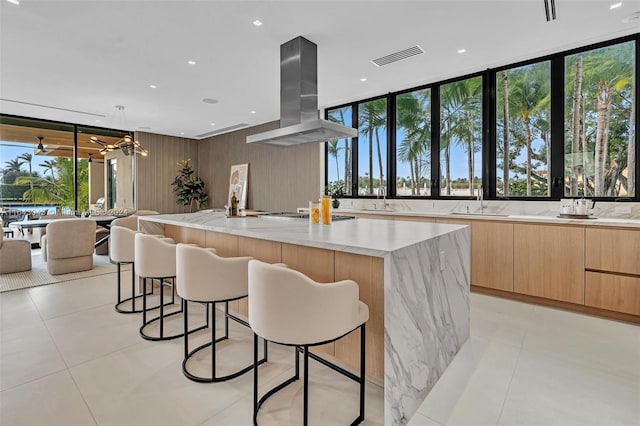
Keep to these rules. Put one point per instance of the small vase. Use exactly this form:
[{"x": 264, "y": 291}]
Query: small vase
[{"x": 335, "y": 203}]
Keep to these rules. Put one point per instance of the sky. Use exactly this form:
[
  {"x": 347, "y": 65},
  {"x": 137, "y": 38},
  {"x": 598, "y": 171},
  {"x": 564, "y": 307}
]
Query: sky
[{"x": 11, "y": 150}]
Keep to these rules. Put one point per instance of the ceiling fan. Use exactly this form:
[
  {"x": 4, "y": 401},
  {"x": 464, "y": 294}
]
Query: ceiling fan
[{"x": 40, "y": 146}]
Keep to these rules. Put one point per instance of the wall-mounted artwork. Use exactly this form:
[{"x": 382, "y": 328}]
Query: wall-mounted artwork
[{"x": 238, "y": 183}]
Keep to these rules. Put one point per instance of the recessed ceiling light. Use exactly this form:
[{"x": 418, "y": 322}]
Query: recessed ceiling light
[
  {"x": 213, "y": 124},
  {"x": 191, "y": 62},
  {"x": 16, "y": 2},
  {"x": 182, "y": 133},
  {"x": 462, "y": 50},
  {"x": 615, "y": 5},
  {"x": 153, "y": 86},
  {"x": 97, "y": 121},
  {"x": 363, "y": 79},
  {"x": 210, "y": 101},
  {"x": 253, "y": 112},
  {"x": 257, "y": 22}
]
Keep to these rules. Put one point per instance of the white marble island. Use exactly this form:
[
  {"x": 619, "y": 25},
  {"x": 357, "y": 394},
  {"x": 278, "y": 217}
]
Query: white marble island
[{"x": 414, "y": 277}]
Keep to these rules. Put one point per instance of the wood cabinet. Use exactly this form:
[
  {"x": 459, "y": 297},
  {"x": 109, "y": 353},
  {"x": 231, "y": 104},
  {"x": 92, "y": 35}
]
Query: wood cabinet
[
  {"x": 613, "y": 292},
  {"x": 614, "y": 250},
  {"x": 185, "y": 235},
  {"x": 491, "y": 253},
  {"x": 549, "y": 262}
]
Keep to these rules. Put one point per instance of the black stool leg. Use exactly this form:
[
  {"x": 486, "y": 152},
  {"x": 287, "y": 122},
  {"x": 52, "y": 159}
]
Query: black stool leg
[
  {"x": 133, "y": 287},
  {"x": 213, "y": 340},
  {"x": 144, "y": 300},
  {"x": 186, "y": 328},
  {"x": 305, "y": 394},
  {"x": 362, "y": 369},
  {"x": 255, "y": 379},
  {"x": 161, "y": 308},
  {"x": 119, "y": 295}
]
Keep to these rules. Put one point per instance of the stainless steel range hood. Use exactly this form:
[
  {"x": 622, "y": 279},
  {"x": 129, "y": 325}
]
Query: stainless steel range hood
[{"x": 299, "y": 122}]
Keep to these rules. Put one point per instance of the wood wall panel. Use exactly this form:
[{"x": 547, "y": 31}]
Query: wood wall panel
[
  {"x": 616, "y": 250},
  {"x": 280, "y": 179},
  {"x": 368, "y": 272},
  {"x": 613, "y": 292},
  {"x": 549, "y": 262},
  {"x": 154, "y": 173}
]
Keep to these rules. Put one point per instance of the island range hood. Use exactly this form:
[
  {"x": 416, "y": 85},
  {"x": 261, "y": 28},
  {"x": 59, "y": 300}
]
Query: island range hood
[{"x": 299, "y": 122}]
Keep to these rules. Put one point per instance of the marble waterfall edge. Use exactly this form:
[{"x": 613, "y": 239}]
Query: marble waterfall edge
[{"x": 426, "y": 318}]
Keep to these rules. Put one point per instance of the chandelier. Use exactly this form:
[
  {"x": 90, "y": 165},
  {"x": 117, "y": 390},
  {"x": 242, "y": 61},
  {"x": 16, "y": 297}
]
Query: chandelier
[{"x": 127, "y": 144}]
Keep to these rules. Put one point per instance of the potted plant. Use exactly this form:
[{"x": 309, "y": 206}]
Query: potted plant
[
  {"x": 335, "y": 190},
  {"x": 189, "y": 189}
]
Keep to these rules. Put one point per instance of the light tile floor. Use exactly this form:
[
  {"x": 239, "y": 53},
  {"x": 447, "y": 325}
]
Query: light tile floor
[{"x": 67, "y": 358}]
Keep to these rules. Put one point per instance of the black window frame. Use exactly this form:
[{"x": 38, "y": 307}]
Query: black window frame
[{"x": 489, "y": 157}]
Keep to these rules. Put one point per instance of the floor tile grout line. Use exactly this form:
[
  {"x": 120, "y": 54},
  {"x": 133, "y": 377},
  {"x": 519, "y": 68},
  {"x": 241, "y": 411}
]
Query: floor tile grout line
[
  {"x": 95, "y": 421},
  {"x": 506, "y": 394}
]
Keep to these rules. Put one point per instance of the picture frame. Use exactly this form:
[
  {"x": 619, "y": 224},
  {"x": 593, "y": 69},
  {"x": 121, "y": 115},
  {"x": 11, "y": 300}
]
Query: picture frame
[{"x": 238, "y": 182}]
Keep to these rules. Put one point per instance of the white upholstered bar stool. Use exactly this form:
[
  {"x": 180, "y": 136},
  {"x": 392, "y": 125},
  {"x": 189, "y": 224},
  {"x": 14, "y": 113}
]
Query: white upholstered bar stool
[
  {"x": 205, "y": 277},
  {"x": 289, "y": 308},
  {"x": 122, "y": 252},
  {"x": 155, "y": 260}
]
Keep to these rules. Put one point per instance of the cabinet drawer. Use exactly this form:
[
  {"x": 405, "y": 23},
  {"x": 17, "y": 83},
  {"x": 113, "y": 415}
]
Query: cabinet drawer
[
  {"x": 613, "y": 292},
  {"x": 616, "y": 250}
]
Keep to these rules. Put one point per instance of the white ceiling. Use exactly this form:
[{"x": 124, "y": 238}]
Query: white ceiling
[{"x": 89, "y": 56}]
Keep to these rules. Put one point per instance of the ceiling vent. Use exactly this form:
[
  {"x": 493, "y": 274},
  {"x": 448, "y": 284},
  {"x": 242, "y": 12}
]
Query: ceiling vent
[
  {"x": 398, "y": 56},
  {"x": 223, "y": 130}
]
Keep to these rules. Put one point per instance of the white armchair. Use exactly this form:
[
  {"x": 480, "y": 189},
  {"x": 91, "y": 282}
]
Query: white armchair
[
  {"x": 15, "y": 255},
  {"x": 68, "y": 245}
]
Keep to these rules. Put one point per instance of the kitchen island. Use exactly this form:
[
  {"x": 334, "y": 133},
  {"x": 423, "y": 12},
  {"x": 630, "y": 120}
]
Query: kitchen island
[{"x": 413, "y": 276}]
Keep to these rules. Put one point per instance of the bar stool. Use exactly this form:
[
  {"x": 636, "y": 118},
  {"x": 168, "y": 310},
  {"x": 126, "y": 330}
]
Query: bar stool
[
  {"x": 205, "y": 277},
  {"x": 289, "y": 308},
  {"x": 121, "y": 251},
  {"x": 155, "y": 260}
]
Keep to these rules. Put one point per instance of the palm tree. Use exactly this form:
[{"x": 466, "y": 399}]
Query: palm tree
[
  {"x": 13, "y": 169},
  {"x": 372, "y": 119},
  {"x": 460, "y": 103},
  {"x": 27, "y": 157},
  {"x": 333, "y": 150},
  {"x": 49, "y": 166},
  {"x": 414, "y": 116}
]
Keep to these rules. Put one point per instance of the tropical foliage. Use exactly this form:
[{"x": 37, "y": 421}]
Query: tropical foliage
[
  {"x": 600, "y": 115},
  {"x": 189, "y": 188},
  {"x": 372, "y": 120},
  {"x": 55, "y": 187}
]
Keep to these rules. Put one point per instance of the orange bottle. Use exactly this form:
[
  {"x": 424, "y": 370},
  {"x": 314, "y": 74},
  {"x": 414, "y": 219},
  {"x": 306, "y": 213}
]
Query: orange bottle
[{"x": 326, "y": 210}]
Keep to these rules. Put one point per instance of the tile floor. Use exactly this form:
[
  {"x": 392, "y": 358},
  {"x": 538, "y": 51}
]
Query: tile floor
[{"x": 67, "y": 358}]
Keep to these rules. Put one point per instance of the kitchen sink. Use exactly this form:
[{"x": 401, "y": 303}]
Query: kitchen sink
[{"x": 480, "y": 214}]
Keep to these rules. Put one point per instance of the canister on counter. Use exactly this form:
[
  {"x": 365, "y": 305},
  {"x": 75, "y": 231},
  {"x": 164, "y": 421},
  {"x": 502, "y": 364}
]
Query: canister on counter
[
  {"x": 314, "y": 212},
  {"x": 326, "y": 210}
]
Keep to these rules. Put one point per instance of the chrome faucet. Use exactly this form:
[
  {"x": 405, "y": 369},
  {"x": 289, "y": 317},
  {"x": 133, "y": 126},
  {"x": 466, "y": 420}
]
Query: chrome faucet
[
  {"x": 480, "y": 197},
  {"x": 384, "y": 196}
]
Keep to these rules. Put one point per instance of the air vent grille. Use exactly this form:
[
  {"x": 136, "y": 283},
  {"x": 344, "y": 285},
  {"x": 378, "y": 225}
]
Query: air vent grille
[
  {"x": 398, "y": 56},
  {"x": 223, "y": 130}
]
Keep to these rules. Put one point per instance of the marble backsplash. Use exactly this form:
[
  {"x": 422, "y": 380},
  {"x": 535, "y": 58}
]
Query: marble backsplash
[{"x": 621, "y": 210}]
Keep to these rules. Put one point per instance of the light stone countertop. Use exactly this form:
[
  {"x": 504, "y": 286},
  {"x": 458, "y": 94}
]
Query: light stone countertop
[
  {"x": 372, "y": 237},
  {"x": 537, "y": 219}
]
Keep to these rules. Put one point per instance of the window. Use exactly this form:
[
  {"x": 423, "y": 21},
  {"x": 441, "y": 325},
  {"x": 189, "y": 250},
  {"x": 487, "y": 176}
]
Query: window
[
  {"x": 563, "y": 125},
  {"x": 523, "y": 131},
  {"x": 413, "y": 143},
  {"x": 461, "y": 137},
  {"x": 372, "y": 147},
  {"x": 339, "y": 151},
  {"x": 599, "y": 143}
]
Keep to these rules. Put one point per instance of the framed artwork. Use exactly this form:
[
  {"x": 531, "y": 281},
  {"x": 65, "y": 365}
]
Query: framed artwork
[{"x": 238, "y": 184}]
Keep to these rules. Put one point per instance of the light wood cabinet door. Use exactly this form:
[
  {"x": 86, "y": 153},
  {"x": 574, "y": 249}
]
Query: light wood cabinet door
[
  {"x": 226, "y": 245},
  {"x": 492, "y": 255},
  {"x": 613, "y": 292},
  {"x": 616, "y": 250},
  {"x": 549, "y": 262},
  {"x": 266, "y": 251}
]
